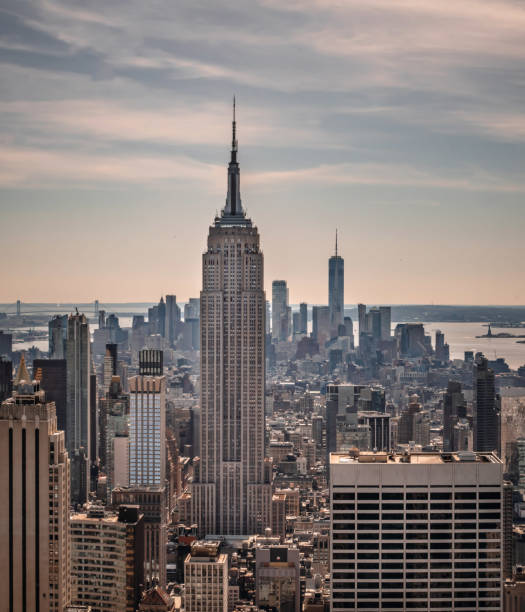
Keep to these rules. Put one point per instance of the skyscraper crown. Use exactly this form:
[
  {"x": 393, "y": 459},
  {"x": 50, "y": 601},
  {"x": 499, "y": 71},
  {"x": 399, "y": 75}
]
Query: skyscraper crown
[{"x": 233, "y": 213}]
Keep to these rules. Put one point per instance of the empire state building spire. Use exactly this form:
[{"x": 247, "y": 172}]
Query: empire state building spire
[{"x": 233, "y": 213}]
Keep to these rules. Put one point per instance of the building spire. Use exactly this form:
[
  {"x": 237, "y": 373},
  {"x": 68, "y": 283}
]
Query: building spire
[
  {"x": 22, "y": 373},
  {"x": 233, "y": 213},
  {"x": 234, "y": 135},
  {"x": 336, "y": 242}
]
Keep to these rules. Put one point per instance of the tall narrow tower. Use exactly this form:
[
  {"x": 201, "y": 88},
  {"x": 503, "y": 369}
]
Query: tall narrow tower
[
  {"x": 231, "y": 493},
  {"x": 336, "y": 290},
  {"x": 78, "y": 425}
]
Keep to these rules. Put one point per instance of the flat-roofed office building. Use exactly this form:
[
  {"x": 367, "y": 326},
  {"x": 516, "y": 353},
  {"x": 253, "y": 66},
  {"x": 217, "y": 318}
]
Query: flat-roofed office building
[
  {"x": 416, "y": 532},
  {"x": 206, "y": 578}
]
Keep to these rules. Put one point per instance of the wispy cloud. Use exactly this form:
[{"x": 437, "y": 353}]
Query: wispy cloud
[{"x": 38, "y": 169}]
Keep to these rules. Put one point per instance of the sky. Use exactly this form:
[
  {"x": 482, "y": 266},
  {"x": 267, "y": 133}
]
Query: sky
[{"x": 399, "y": 122}]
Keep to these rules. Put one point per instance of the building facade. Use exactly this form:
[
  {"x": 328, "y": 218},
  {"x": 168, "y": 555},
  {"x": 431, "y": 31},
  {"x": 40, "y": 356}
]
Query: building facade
[
  {"x": 147, "y": 431},
  {"x": 206, "y": 578},
  {"x": 277, "y": 575},
  {"x": 280, "y": 311},
  {"x": 421, "y": 531},
  {"x": 153, "y": 503},
  {"x": 78, "y": 427},
  {"x": 486, "y": 408},
  {"x": 34, "y": 479},
  {"x": 98, "y": 560}
]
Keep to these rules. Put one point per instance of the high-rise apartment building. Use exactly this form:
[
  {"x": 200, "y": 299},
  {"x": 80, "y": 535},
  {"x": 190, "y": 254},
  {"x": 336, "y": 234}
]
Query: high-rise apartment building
[
  {"x": 419, "y": 531},
  {"x": 486, "y": 408},
  {"x": 34, "y": 506},
  {"x": 231, "y": 493},
  {"x": 98, "y": 560},
  {"x": 206, "y": 578},
  {"x": 280, "y": 312},
  {"x": 147, "y": 431},
  {"x": 336, "y": 290},
  {"x": 78, "y": 429}
]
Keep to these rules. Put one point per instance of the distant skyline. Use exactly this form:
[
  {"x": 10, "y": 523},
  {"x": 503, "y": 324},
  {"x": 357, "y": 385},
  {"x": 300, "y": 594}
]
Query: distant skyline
[{"x": 399, "y": 123}]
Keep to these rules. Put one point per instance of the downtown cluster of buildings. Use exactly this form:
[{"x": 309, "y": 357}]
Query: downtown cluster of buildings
[{"x": 237, "y": 455}]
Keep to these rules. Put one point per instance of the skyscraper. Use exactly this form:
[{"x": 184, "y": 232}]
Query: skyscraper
[
  {"x": 321, "y": 324},
  {"x": 114, "y": 436},
  {"x": 34, "y": 506},
  {"x": 6, "y": 378},
  {"x": 280, "y": 322},
  {"x": 336, "y": 290},
  {"x": 109, "y": 369},
  {"x": 57, "y": 332},
  {"x": 231, "y": 493},
  {"x": 52, "y": 376},
  {"x": 385, "y": 315},
  {"x": 361, "y": 318},
  {"x": 303, "y": 318},
  {"x": 454, "y": 407},
  {"x": 78, "y": 430},
  {"x": 172, "y": 318},
  {"x": 486, "y": 407},
  {"x": 147, "y": 431}
]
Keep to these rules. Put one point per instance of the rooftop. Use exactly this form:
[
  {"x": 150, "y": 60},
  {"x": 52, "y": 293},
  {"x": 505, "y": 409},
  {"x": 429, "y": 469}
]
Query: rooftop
[{"x": 355, "y": 456}]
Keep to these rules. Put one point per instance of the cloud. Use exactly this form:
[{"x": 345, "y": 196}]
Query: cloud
[
  {"x": 33, "y": 168},
  {"x": 395, "y": 175}
]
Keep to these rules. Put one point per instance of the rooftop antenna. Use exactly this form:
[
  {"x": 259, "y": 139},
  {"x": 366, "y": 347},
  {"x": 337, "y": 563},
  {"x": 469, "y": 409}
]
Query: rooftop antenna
[
  {"x": 234, "y": 129},
  {"x": 336, "y": 242}
]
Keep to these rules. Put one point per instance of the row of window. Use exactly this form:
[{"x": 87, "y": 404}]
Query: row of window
[{"x": 419, "y": 495}]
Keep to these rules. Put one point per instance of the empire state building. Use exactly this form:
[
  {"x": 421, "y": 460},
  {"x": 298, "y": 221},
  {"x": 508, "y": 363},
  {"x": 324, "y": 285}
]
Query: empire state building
[{"x": 231, "y": 491}]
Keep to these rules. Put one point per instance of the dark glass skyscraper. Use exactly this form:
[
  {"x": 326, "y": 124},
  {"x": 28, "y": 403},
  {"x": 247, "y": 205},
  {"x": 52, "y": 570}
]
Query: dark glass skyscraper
[
  {"x": 336, "y": 290},
  {"x": 6, "y": 378},
  {"x": 486, "y": 408},
  {"x": 52, "y": 375}
]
